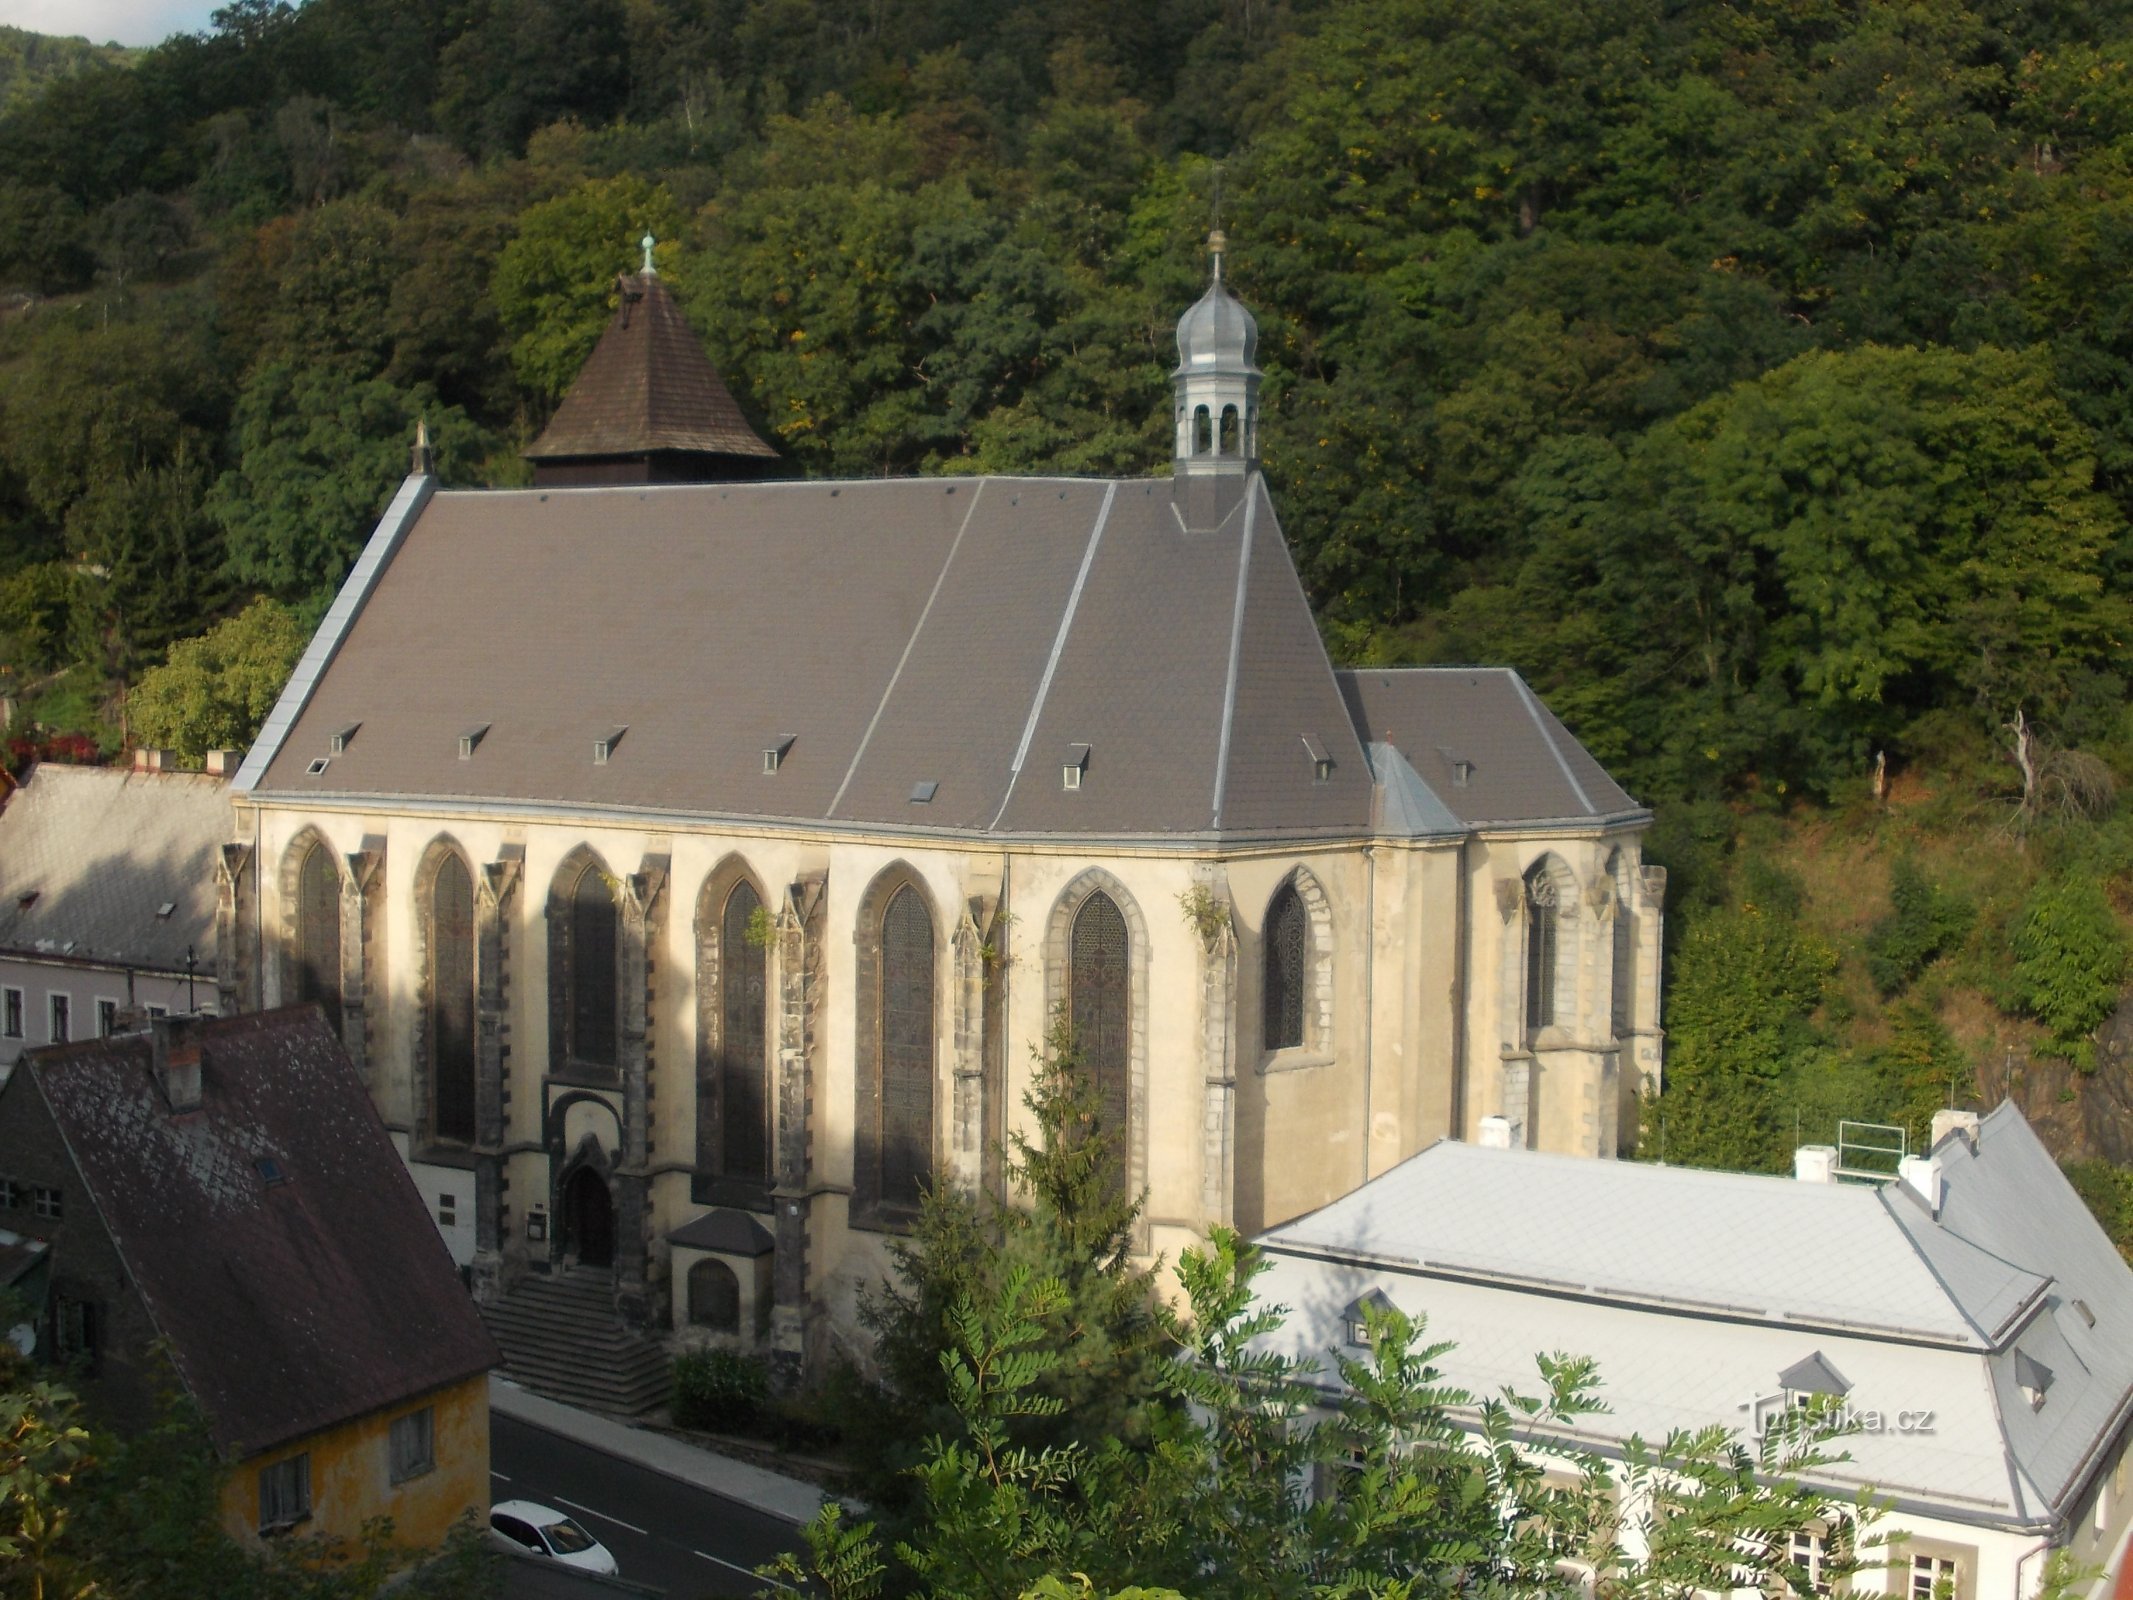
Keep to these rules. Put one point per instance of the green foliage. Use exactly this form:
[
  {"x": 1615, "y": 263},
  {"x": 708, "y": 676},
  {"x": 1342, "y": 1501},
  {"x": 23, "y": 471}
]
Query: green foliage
[
  {"x": 215, "y": 691},
  {"x": 1746, "y": 983},
  {"x": 319, "y": 455},
  {"x": 2070, "y": 955},
  {"x": 722, "y": 1391},
  {"x": 1071, "y": 1226},
  {"x": 1418, "y": 1485},
  {"x": 2107, "y": 1189},
  {"x": 1923, "y": 922}
]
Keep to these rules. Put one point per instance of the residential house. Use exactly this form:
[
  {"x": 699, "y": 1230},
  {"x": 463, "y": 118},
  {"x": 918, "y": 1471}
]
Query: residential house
[{"x": 222, "y": 1206}]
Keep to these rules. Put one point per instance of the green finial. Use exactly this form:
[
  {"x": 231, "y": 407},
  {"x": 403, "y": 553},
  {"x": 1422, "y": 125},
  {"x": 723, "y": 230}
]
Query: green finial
[{"x": 650, "y": 271}]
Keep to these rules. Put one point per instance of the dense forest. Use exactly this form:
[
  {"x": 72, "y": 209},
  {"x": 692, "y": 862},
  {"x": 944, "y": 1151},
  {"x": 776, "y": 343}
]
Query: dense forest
[{"x": 1754, "y": 376}]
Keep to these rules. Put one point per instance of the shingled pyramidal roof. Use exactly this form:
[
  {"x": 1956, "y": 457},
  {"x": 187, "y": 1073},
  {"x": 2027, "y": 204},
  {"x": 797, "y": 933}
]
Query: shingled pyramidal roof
[{"x": 648, "y": 398}]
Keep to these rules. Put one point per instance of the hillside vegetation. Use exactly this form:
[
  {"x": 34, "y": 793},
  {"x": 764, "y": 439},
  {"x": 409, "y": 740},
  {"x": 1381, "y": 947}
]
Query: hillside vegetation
[
  {"x": 31, "y": 62},
  {"x": 1754, "y": 376}
]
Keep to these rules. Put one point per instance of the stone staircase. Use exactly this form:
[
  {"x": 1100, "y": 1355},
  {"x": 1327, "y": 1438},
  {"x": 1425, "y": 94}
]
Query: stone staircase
[{"x": 561, "y": 1337}]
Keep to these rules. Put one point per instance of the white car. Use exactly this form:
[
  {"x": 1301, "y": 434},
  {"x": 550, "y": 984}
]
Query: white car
[{"x": 545, "y": 1531}]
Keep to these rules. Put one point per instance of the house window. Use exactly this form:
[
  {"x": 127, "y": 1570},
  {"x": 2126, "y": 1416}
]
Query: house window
[
  {"x": 1288, "y": 951},
  {"x": 318, "y": 933},
  {"x": 715, "y": 1297},
  {"x": 447, "y": 1210},
  {"x": 1097, "y": 1009},
  {"x": 11, "y": 1015},
  {"x": 1543, "y": 918},
  {"x": 589, "y": 970},
  {"x": 451, "y": 1008},
  {"x": 902, "y": 1117},
  {"x": 107, "y": 1017},
  {"x": 46, "y": 1203},
  {"x": 75, "y": 1330},
  {"x": 1809, "y": 1551},
  {"x": 61, "y": 1018},
  {"x": 1933, "y": 1578},
  {"x": 13, "y": 1197},
  {"x": 285, "y": 1493},
  {"x": 412, "y": 1444},
  {"x": 744, "y": 1098}
]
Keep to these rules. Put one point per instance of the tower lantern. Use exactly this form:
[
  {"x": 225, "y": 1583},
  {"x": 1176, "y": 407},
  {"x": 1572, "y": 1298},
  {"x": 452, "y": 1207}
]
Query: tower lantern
[{"x": 1217, "y": 381}]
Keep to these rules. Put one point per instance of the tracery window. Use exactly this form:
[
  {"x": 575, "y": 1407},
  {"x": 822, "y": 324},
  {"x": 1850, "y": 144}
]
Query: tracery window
[
  {"x": 451, "y": 1002},
  {"x": 317, "y": 967},
  {"x": 744, "y": 1090},
  {"x": 1098, "y": 1010},
  {"x": 1625, "y": 946},
  {"x": 903, "y": 1133},
  {"x": 1288, "y": 955},
  {"x": 1543, "y": 920},
  {"x": 590, "y": 978}
]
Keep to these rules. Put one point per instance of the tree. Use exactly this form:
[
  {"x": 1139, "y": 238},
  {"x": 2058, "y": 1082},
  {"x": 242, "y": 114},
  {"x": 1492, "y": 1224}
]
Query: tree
[
  {"x": 319, "y": 454},
  {"x": 216, "y": 690},
  {"x": 2071, "y": 956},
  {"x": 1411, "y": 1495},
  {"x": 42, "y": 1449}
]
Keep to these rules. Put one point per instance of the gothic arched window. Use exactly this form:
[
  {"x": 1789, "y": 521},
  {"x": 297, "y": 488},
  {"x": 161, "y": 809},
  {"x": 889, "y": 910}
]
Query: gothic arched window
[
  {"x": 1229, "y": 443},
  {"x": 1100, "y": 968},
  {"x": 1288, "y": 956},
  {"x": 744, "y": 1089},
  {"x": 588, "y": 971},
  {"x": 451, "y": 1002},
  {"x": 1543, "y": 921},
  {"x": 715, "y": 1297},
  {"x": 903, "y": 1134},
  {"x": 1625, "y": 947},
  {"x": 1203, "y": 431},
  {"x": 318, "y": 933}
]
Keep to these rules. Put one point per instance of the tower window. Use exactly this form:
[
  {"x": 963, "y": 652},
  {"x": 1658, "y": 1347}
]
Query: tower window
[
  {"x": 1203, "y": 431},
  {"x": 1229, "y": 443}
]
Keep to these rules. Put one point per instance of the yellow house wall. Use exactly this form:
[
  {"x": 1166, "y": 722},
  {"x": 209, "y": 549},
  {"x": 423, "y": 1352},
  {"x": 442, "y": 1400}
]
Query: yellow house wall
[{"x": 351, "y": 1473}]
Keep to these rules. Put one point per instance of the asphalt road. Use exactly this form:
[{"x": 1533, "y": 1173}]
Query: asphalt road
[{"x": 687, "y": 1541}]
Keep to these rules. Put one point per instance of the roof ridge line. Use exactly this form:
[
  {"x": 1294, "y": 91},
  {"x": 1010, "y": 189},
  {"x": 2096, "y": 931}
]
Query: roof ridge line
[
  {"x": 1236, "y": 647},
  {"x": 1532, "y": 706},
  {"x": 910, "y": 644},
  {"x": 1051, "y": 664},
  {"x": 1987, "y": 1337}
]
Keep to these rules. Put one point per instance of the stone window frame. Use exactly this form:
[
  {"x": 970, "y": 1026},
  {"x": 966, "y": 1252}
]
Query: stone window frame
[
  {"x": 1058, "y": 985},
  {"x": 869, "y": 1211},
  {"x": 1622, "y": 936},
  {"x": 563, "y": 1060},
  {"x": 709, "y": 1267},
  {"x": 424, "y": 1090},
  {"x": 708, "y": 1184},
  {"x": 290, "y": 961},
  {"x": 1564, "y": 884},
  {"x": 1317, "y": 1047}
]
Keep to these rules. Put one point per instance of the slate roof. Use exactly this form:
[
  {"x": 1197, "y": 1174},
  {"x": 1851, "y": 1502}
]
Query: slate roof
[
  {"x": 1524, "y": 766},
  {"x": 288, "y": 1306},
  {"x": 966, "y": 633},
  {"x": 648, "y": 386},
  {"x": 1700, "y": 1293},
  {"x": 89, "y": 856}
]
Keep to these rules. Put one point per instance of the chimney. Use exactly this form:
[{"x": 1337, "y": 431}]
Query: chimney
[
  {"x": 1815, "y": 1163},
  {"x": 174, "y": 1049},
  {"x": 148, "y": 759},
  {"x": 221, "y": 763},
  {"x": 1921, "y": 1175},
  {"x": 1495, "y": 1133},
  {"x": 1947, "y": 1122}
]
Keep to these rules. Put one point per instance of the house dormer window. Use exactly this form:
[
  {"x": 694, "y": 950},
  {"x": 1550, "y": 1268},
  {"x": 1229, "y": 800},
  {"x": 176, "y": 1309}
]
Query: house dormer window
[{"x": 1358, "y": 1314}]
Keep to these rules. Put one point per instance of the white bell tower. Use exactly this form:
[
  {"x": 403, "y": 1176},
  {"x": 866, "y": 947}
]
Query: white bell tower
[{"x": 1217, "y": 382}]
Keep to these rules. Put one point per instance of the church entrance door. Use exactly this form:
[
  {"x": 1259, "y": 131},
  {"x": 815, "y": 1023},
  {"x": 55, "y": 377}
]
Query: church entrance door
[{"x": 588, "y": 1219}]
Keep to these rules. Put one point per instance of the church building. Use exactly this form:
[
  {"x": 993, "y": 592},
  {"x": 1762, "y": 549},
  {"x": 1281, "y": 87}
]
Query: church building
[{"x": 692, "y": 861}]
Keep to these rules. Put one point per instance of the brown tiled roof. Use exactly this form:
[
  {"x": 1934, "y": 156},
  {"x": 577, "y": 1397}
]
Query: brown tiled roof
[
  {"x": 648, "y": 386},
  {"x": 976, "y": 634},
  {"x": 1521, "y": 764},
  {"x": 291, "y": 1305}
]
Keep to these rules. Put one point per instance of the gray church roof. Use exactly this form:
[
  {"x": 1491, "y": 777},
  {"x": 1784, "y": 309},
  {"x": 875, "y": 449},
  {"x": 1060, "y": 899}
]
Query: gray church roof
[
  {"x": 1703, "y": 1294},
  {"x": 1482, "y": 740},
  {"x": 961, "y": 640},
  {"x": 91, "y": 857}
]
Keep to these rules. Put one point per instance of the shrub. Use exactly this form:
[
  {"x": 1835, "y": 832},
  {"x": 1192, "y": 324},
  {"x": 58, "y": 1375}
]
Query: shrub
[
  {"x": 1923, "y": 922},
  {"x": 2070, "y": 958},
  {"x": 720, "y": 1391}
]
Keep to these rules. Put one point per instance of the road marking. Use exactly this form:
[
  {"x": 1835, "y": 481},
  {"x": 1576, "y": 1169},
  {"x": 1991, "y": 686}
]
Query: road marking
[
  {"x": 602, "y": 1515},
  {"x": 735, "y": 1566}
]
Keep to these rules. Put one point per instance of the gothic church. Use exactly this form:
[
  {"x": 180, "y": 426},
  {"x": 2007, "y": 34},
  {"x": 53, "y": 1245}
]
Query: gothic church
[{"x": 690, "y": 860}]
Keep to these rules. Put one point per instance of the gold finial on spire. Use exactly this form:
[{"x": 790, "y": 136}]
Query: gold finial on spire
[
  {"x": 423, "y": 461},
  {"x": 646, "y": 243},
  {"x": 1217, "y": 242}
]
